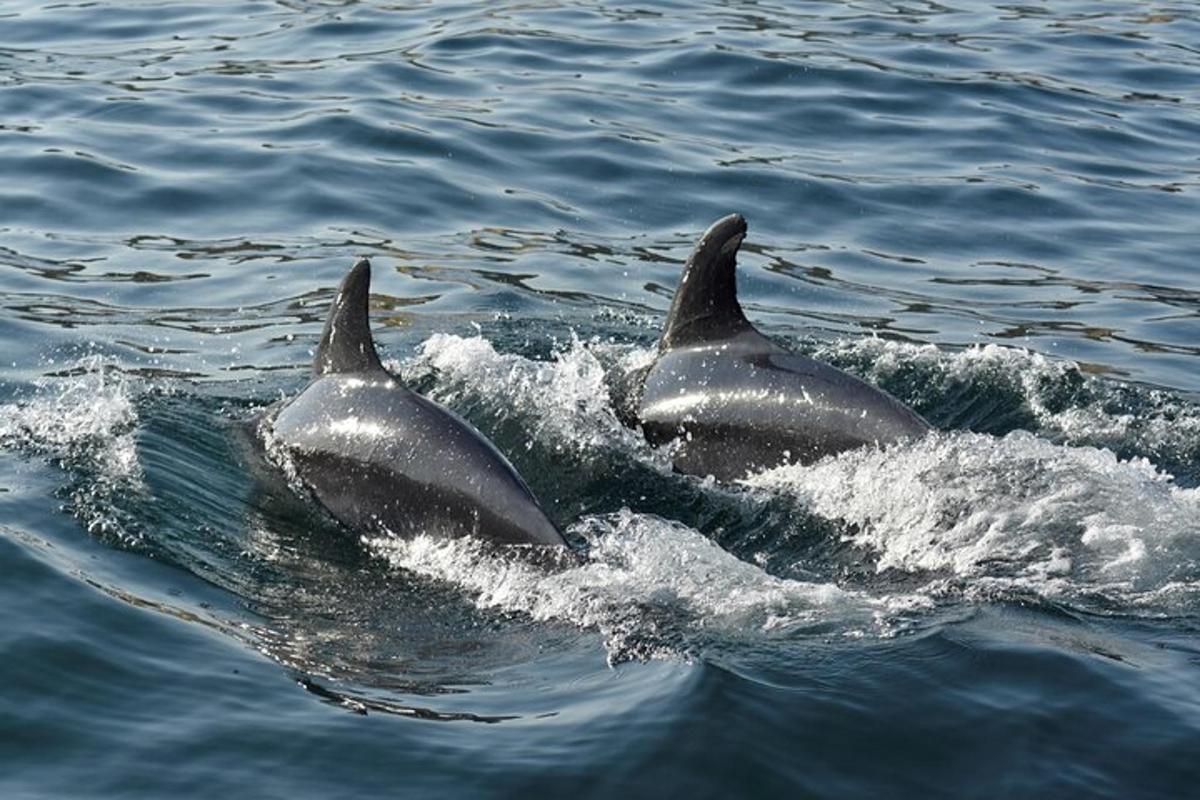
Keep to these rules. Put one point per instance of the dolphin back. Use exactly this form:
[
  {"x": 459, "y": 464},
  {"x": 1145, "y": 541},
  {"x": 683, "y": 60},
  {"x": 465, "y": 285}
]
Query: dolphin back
[
  {"x": 383, "y": 459},
  {"x": 387, "y": 461},
  {"x": 739, "y": 402}
]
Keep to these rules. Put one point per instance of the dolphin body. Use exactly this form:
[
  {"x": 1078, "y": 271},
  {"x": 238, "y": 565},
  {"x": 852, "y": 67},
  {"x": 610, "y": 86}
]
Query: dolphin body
[
  {"x": 385, "y": 460},
  {"x": 736, "y": 401}
]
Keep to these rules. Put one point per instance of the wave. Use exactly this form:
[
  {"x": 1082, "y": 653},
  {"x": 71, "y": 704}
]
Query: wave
[
  {"x": 1015, "y": 512},
  {"x": 652, "y": 587},
  {"x": 84, "y": 421},
  {"x": 960, "y": 514},
  {"x": 563, "y": 403},
  {"x": 997, "y": 389},
  {"x": 1078, "y": 506}
]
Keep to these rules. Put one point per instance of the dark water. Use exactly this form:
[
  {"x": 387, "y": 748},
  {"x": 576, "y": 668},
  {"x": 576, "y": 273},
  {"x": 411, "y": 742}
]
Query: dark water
[{"x": 989, "y": 210}]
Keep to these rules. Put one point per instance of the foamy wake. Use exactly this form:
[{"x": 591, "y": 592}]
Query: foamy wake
[
  {"x": 1059, "y": 518},
  {"x": 564, "y": 401},
  {"x": 1069, "y": 405},
  {"x": 970, "y": 513},
  {"x": 90, "y": 413},
  {"x": 651, "y": 587},
  {"x": 86, "y": 422},
  {"x": 1011, "y": 512}
]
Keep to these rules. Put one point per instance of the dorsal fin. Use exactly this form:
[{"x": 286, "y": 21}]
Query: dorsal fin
[
  {"x": 705, "y": 305},
  {"x": 346, "y": 344}
]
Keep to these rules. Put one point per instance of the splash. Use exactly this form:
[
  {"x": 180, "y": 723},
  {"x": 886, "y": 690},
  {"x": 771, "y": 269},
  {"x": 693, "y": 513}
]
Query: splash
[
  {"x": 87, "y": 416},
  {"x": 277, "y": 454},
  {"x": 564, "y": 402},
  {"x": 1078, "y": 511},
  {"x": 1064, "y": 402},
  {"x": 1016, "y": 512},
  {"x": 651, "y": 587},
  {"x": 84, "y": 422}
]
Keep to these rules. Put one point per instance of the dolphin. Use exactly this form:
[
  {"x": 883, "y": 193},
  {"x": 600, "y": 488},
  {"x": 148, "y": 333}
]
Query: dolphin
[
  {"x": 736, "y": 401},
  {"x": 382, "y": 459}
]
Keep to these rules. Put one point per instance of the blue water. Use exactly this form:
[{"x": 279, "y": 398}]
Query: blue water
[{"x": 988, "y": 209}]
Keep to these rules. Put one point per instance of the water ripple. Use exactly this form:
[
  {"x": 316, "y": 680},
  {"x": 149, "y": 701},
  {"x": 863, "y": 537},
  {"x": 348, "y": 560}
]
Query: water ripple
[{"x": 986, "y": 208}]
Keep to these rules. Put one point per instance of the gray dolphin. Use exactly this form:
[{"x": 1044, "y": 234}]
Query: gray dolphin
[
  {"x": 737, "y": 401},
  {"x": 383, "y": 459}
]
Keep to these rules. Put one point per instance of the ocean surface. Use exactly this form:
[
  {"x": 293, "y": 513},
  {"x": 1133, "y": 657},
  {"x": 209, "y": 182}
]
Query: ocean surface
[{"x": 991, "y": 210}]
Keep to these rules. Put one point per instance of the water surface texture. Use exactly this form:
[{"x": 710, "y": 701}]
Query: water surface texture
[{"x": 990, "y": 210}]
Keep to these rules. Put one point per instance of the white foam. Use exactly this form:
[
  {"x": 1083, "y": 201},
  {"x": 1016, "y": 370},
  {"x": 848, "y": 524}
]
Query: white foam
[
  {"x": 85, "y": 421},
  {"x": 1162, "y": 421},
  {"x": 90, "y": 414},
  {"x": 651, "y": 587},
  {"x": 1016, "y": 511},
  {"x": 565, "y": 401},
  {"x": 987, "y": 514},
  {"x": 278, "y": 455}
]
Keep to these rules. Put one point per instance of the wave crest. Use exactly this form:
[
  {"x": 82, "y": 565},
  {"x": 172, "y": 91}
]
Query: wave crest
[
  {"x": 1012, "y": 512},
  {"x": 651, "y": 587},
  {"x": 86, "y": 422}
]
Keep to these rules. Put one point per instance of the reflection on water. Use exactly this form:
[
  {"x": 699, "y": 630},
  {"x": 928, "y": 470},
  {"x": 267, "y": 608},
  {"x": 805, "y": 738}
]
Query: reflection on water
[{"x": 987, "y": 209}]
